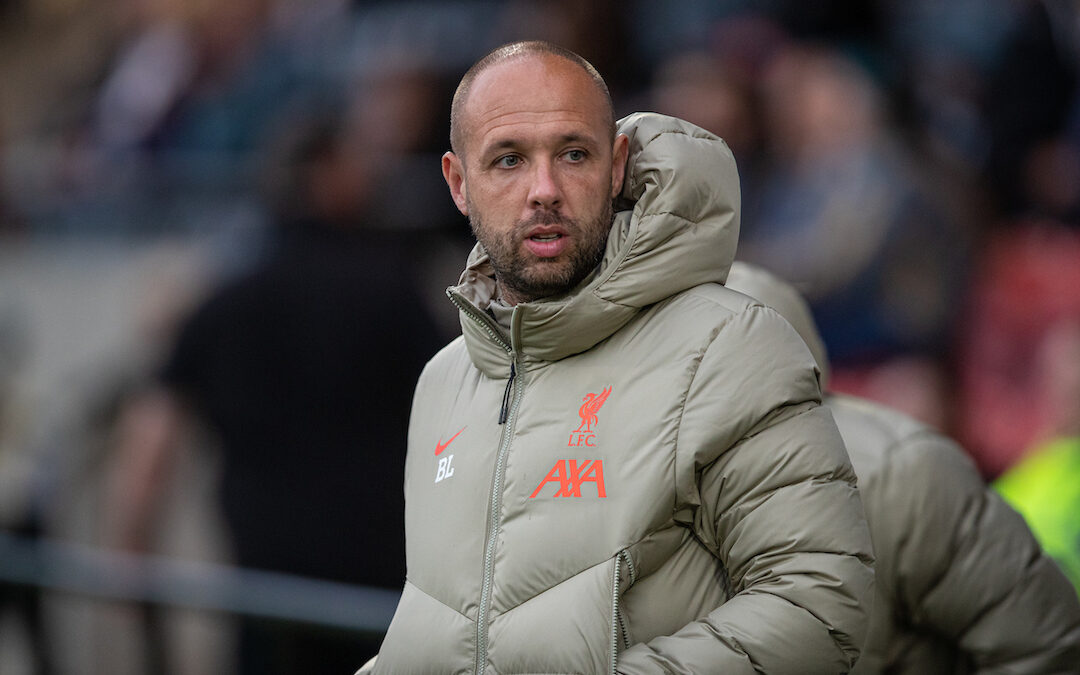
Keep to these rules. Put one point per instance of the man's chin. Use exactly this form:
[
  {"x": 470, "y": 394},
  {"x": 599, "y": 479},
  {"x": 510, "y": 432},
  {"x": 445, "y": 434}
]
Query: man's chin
[{"x": 554, "y": 283}]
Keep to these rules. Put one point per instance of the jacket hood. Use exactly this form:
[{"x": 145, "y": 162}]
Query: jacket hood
[
  {"x": 676, "y": 226},
  {"x": 773, "y": 291}
]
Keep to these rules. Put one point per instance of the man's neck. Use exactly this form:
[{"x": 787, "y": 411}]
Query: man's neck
[{"x": 505, "y": 295}]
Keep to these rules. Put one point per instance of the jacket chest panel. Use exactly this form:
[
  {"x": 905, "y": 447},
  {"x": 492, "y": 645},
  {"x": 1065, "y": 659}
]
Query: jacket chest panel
[
  {"x": 589, "y": 471},
  {"x": 454, "y": 446},
  {"x": 583, "y": 468}
]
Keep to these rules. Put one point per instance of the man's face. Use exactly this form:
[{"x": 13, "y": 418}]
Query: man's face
[{"x": 537, "y": 174}]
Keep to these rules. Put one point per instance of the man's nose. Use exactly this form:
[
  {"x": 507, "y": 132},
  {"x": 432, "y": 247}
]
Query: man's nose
[{"x": 544, "y": 191}]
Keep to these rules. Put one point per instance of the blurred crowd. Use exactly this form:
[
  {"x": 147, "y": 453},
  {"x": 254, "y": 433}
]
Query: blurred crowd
[{"x": 913, "y": 166}]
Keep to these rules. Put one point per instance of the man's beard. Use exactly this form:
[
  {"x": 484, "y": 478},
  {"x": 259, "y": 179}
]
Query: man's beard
[{"x": 527, "y": 277}]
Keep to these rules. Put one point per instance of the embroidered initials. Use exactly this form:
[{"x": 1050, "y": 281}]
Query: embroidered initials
[
  {"x": 444, "y": 470},
  {"x": 570, "y": 476}
]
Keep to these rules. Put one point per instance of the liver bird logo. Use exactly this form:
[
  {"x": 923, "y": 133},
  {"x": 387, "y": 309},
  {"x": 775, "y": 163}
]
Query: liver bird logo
[{"x": 588, "y": 410}]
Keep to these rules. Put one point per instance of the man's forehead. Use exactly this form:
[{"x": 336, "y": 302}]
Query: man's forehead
[
  {"x": 503, "y": 126},
  {"x": 534, "y": 89}
]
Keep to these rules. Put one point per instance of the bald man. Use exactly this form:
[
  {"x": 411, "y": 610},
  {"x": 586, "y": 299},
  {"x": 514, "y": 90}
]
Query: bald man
[{"x": 620, "y": 466}]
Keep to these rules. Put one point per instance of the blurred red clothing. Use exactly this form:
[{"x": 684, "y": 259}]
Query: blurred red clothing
[{"x": 1026, "y": 285}]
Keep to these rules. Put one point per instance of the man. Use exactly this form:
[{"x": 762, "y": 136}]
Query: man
[
  {"x": 305, "y": 383},
  {"x": 621, "y": 466},
  {"x": 962, "y": 585}
]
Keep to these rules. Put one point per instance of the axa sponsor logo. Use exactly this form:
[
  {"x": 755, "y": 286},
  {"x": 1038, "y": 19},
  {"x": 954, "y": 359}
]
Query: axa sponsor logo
[
  {"x": 445, "y": 468},
  {"x": 571, "y": 476},
  {"x": 583, "y": 435}
]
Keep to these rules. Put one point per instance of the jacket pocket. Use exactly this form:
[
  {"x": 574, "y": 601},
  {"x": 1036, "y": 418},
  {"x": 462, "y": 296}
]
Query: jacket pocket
[
  {"x": 623, "y": 578},
  {"x": 566, "y": 628}
]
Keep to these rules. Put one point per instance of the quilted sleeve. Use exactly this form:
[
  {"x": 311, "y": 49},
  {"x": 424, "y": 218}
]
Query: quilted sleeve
[
  {"x": 965, "y": 565},
  {"x": 768, "y": 487}
]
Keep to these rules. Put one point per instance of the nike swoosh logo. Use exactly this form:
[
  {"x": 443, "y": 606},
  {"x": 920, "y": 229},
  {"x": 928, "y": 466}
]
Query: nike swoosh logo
[{"x": 440, "y": 446}]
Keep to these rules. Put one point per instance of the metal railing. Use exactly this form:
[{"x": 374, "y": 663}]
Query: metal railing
[{"x": 113, "y": 575}]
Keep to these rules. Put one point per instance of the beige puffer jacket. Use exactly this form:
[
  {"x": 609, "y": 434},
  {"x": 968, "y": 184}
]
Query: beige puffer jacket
[
  {"x": 664, "y": 494},
  {"x": 962, "y": 585}
]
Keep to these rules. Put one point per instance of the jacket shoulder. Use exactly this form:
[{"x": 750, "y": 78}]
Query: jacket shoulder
[
  {"x": 721, "y": 299},
  {"x": 877, "y": 436},
  {"x": 717, "y": 308},
  {"x": 749, "y": 363}
]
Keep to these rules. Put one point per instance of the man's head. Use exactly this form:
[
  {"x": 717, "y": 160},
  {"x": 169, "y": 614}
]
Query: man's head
[{"x": 535, "y": 166}]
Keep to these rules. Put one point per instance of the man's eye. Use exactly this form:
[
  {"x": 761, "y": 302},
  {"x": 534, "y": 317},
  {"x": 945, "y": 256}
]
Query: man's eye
[
  {"x": 575, "y": 155},
  {"x": 508, "y": 161}
]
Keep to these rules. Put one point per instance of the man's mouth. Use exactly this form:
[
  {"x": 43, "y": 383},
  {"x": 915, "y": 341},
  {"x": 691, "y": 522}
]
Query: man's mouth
[{"x": 547, "y": 242}]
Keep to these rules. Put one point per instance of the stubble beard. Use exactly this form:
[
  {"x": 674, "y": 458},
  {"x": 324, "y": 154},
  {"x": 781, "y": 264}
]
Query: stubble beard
[{"x": 523, "y": 277}]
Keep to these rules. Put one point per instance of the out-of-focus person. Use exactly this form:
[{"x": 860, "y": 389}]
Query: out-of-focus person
[
  {"x": 1044, "y": 484},
  {"x": 1025, "y": 287},
  {"x": 843, "y": 209},
  {"x": 303, "y": 368},
  {"x": 962, "y": 585}
]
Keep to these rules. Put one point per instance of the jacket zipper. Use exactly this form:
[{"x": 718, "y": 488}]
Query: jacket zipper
[
  {"x": 504, "y": 409},
  {"x": 618, "y": 624},
  {"x": 511, "y": 399}
]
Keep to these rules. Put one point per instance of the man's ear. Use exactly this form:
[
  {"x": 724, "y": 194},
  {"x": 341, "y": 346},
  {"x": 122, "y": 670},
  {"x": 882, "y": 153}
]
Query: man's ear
[
  {"x": 454, "y": 173},
  {"x": 618, "y": 163}
]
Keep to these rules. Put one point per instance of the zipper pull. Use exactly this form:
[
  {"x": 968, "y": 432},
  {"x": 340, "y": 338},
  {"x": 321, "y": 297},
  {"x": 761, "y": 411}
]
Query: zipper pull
[{"x": 505, "y": 410}]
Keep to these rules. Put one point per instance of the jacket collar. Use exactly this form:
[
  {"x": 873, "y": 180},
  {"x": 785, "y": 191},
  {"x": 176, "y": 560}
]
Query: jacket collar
[{"x": 676, "y": 227}]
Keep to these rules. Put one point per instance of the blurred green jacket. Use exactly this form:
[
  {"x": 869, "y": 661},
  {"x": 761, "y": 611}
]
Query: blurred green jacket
[{"x": 1044, "y": 486}]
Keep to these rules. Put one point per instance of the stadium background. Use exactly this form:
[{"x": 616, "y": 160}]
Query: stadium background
[{"x": 913, "y": 165}]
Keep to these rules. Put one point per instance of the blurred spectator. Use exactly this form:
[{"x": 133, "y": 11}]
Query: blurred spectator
[
  {"x": 840, "y": 209},
  {"x": 168, "y": 136},
  {"x": 1030, "y": 93},
  {"x": 1044, "y": 485},
  {"x": 702, "y": 89},
  {"x": 940, "y": 56},
  {"x": 182, "y": 110},
  {"x": 385, "y": 171},
  {"x": 193, "y": 77},
  {"x": 716, "y": 87},
  {"x": 304, "y": 368},
  {"x": 1025, "y": 290}
]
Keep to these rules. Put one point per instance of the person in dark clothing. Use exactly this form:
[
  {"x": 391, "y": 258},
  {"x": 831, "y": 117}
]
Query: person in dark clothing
[{"x": 303, "y": 367}]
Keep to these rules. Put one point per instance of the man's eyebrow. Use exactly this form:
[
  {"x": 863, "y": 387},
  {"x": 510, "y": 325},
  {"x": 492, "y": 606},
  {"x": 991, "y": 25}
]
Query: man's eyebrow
[
  {"x": 502, "y": 144},
  {"x": 578, "y": 138}
]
